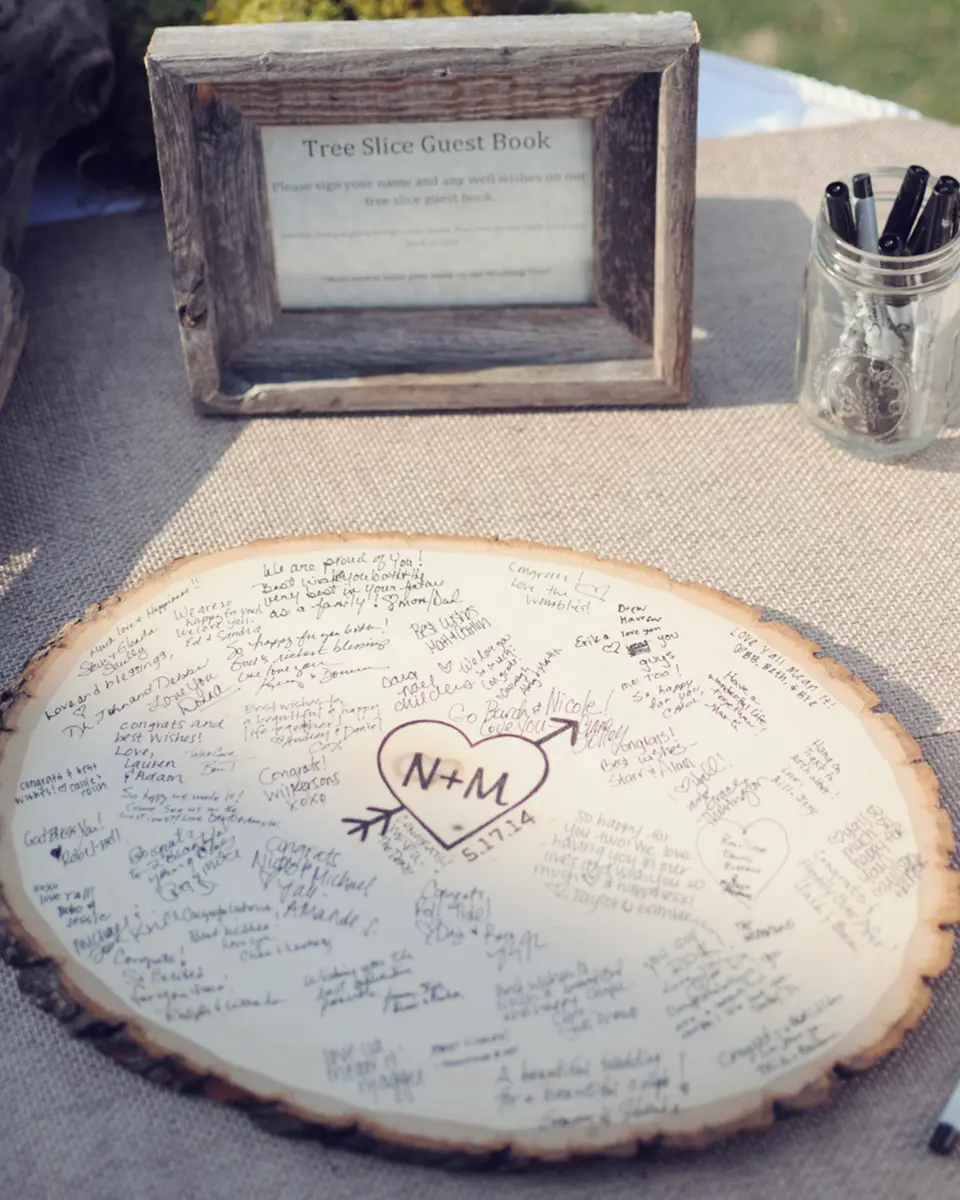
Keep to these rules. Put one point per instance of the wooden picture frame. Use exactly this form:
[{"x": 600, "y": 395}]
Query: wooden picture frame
[{"x": 634, "y": 78}]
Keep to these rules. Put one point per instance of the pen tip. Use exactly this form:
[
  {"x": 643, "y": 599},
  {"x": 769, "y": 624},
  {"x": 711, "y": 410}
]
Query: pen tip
[
  {"x": 862, "y": 186},
  {"x": 944, "y": 1139}
]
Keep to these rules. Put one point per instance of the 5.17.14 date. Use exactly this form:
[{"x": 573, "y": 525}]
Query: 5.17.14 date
[{"x": 499, "y": 833}]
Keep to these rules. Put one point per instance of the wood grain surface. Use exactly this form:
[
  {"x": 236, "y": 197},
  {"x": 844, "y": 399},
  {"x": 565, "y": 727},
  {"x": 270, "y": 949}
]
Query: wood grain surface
[{"x": 66, "y": 986}]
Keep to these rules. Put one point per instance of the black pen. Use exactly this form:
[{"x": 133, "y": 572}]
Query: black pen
[
  {"x": 945, "y": 1135},
  {"x": 956, "y": 220},
  {"x": 866, "y": 211},
  {"x": 890, "y": 245},
  {"x": 839, "y": 212},
  {"x": 927, "y": 226},
  {"x": 908, "y": 202},
  {"x": 919, "y": 240},
  {"x": 949, "y": 190}
]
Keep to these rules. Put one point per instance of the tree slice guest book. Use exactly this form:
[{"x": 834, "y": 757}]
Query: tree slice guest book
[
  {"x": 441, "y": 213},
  {"x": 471, "y": 848}
]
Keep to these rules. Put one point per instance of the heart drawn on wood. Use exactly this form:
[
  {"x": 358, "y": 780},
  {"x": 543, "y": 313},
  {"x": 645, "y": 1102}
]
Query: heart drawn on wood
[
  {"x": 743, "y": 859},
  {"x": 454, "y": 787}
]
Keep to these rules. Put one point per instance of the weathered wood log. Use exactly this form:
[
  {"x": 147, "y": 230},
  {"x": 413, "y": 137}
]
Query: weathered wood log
[{"x": 56, "y": 73}]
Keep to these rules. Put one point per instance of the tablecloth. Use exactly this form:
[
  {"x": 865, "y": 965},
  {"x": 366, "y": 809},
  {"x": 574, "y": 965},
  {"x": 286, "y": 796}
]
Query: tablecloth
[{"x": 105, "y": 472}]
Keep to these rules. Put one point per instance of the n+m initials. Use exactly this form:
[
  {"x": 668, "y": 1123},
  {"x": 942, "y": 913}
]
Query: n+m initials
[{"x": 476, "y": 783}]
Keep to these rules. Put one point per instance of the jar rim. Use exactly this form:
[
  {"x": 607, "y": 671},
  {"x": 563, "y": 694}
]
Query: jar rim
[
  {"x": 909, "y": 272},
  {"x": 898, "y": 263}
]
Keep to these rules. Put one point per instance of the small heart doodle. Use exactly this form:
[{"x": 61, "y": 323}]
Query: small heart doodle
[{"x": 743, "y": 859}]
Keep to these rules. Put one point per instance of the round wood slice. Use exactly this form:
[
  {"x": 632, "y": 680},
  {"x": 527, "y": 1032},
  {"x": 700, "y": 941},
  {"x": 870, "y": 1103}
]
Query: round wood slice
[{"x": 467, "y": 849}]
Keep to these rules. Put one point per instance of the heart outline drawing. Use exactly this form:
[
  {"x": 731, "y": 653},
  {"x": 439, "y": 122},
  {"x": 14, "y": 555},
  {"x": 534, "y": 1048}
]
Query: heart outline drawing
[
  {"x": 715, "y": 850},
  {"x": 524, "y": 760}
]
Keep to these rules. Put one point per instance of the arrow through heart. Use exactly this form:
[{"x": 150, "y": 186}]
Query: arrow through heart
[{"x": 455, "y": 787}]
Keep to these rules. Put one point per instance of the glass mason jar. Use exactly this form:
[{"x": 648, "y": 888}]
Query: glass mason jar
[{"x": 878, "y": 350}]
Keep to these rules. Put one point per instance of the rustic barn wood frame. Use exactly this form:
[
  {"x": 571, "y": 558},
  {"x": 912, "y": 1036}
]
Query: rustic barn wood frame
[{"x": 634, "y": 77}]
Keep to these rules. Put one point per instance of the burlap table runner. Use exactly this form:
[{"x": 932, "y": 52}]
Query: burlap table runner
[{"x": 105, "y": 472}]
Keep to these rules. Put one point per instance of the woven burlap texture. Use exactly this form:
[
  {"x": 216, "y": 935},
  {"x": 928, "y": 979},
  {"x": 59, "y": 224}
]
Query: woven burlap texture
[{"x": 107, "y": 472}]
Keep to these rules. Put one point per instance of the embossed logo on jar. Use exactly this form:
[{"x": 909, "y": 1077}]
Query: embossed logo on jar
[{"x": 868, "y": 396}]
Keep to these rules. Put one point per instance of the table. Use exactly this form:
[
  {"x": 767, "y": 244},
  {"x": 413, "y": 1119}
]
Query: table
[{"x": 107, "y": 473}]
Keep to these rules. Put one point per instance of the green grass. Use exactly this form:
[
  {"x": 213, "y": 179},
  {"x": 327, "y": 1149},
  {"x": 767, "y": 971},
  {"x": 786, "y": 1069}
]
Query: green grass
[{"x": 903, "y": 50}]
